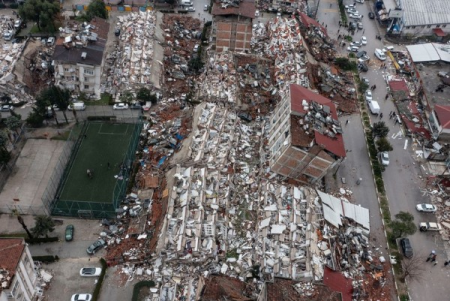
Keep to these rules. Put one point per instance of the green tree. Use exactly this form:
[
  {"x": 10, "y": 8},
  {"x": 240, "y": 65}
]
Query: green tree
[
  {"x": 3, "y": 140},
  {"x": 13, "y": 123},
  {"x": 384, "y": 145},
  {"x": 145, "y": 94},
  {"x": 5, "y": 156},
  {"x": 35, "y": 119},
  {"x": 195, "y": 63},
  {"x": 403, "y": 224},
  {"x": 97, "y": 8},
  {"x": 379, "y": 129},
  {"x": 43, "y": 225},
  {"x": 345, "y": 64},
  {"x": 55, "y": 95},
  {"x": 43, "y": 12}
]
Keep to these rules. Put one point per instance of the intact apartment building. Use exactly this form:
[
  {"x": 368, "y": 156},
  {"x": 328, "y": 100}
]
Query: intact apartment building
[
  {"x": 305, "y": 137},
  {"x": 78, "y": 57},
  {"x": 18, "y": 277},
  {"x": 232, "y": 25}
]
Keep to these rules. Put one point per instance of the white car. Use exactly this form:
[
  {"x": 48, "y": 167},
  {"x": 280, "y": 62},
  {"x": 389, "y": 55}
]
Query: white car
[
  {"x": 120, "y": 106},
  {"x": 349, "y": 6},
  {"x": 353, "y": 48},
  {"x": 356, "y": 43},
  {"x": 257, "y": 13},
  {"x": 90, "y": 272},
  {"x": 384, "y": 156},
  {"x": 363, "y": 40},
  {"x": 426, "y": 208},
  {"x": 388, "y": 48},
  {"x": 365, "y": 80},
  {"x": 355, "y": 16},
  {"x": 190, "y": 8},
  {"x": 368, "y": 95},
  {"x": 206, "y": 7},
  {"x": 81, "y": 297}
]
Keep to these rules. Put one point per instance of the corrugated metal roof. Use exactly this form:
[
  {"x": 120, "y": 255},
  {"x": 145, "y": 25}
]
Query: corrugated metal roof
[
  {"x": 420, "y": 12},
  {"x": 357, "y": 213},
  {"x": 429, "y": 52},
  {"x": 333, "y": 202},
  {"x": 331, "y": 216}
]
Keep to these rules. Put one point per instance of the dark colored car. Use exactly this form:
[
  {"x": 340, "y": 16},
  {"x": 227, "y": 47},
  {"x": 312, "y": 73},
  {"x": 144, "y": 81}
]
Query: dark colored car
[
  {"x": 406, "y": 247},
  {"x": 371, "y": 15},
  {"x": 363, "y": 67},
  {"x": 135, "y": 106},
  {"x": 360, "y": 54},
  {"x": 96, "y": 246},
  {"x": 117, "y": 32},
  {"x": 69, "y": 232},
  {"x": 245, "y": 116}
]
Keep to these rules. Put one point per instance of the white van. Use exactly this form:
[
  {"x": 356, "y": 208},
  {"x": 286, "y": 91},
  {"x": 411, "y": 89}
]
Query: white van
[
  {"x": 77, "y": 106},
  {"x": 380, "y": 54},
  {"x": 374, "y": 107}
]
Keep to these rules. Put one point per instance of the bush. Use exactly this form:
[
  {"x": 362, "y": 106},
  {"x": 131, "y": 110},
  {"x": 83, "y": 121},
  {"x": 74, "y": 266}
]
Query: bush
[
  {"x": 138, "y": 286},
  {"x": 98, "y": 286},
  {"x": 46, "y": 259},
  {"x": 39, "y": 240},
  {"x": 101, "y": 118},
  {"x": 2, "y": 5},
  {"x": 14, "y": 6}
]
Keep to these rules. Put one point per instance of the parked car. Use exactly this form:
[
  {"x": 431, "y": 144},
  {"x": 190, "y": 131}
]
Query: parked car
[
  {"x": 359, "y": 25},
  {"x": 371, "y": 15},
  {"x": 349, "y": 6},
  {"x": 353, "y": 48},
  {"x": 388, "y": 48},
  {"x": 384, "y": 157},
  {"x": 135, "y": 106},
  {"x": 363, "y": 59},
  {"x": 92, "y": 249},
  {"x": 426, "y": 208},
  {"x": 90, "y": 272},
  {"x": 206, "y": 7},
  {"x": 363, "y": 67},
  {"x": 406, "y": 247},
  {"x": 51, "y": 41},
  {"x": 368, "y": 95},
  {"x": 70, "y": 229},
  {"x": 17, "y": 24},
  {"x": 427, "y": 226},
  {"x": 356, "y": 43},
  {"x": 257, "y": 13},
  {"x": 196, "y": 47},
  {"x": 361, "y": 54},
  {"x": 117, "y": 32},
  {"x": 81, "y": 297},
  {"x": 8, "y": 35},
  {"x": 17, "y": 40},
  {"x": 190, "y": 8},
  {"x": 352, "y": 25},
  {"x": 245, "y": 116},
  {"x": 365, "y": 80},
  {"x": 352, "y": 10},
  {"x": 6, "y": 108},
  {"x": 355, "y": 16},
  {"x": 120, "y": 106},
  {"x": 363, "y": 40}
]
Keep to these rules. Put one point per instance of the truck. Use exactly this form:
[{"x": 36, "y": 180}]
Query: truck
[
  {"x": 374, "y": 107},
  {"x": 428, "y": 226}
]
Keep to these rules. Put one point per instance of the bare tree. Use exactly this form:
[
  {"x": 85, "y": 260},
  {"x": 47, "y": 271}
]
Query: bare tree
[{"x": 413, "y": 268}]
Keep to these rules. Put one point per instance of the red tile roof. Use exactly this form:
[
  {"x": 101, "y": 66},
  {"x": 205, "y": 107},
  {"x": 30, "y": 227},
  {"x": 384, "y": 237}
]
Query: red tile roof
[
  {"x": 310, "y": 21},
  {"x": 399, "y": 85},
  {"x": 443, "y": 115},
  {"x": 246, "y": 8},
  {"x": 298, "y": 94},
  {"x": 337, "y": 282},
  {"x": 11, "y": 250}
]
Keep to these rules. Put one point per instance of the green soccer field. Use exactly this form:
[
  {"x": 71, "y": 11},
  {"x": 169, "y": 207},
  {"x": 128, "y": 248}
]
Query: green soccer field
[{"x": 104, "y": 143}]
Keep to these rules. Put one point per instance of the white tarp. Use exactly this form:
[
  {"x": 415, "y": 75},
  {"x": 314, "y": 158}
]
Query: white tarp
[{"x": 429, "y": 52}]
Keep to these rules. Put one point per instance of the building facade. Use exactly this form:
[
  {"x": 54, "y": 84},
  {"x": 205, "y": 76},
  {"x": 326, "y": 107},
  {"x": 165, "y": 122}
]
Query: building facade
[
  {"x": 305, "y": 139},
  {"x": 18, "y": 275}
]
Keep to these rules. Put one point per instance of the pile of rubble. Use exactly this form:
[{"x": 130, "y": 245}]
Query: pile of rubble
[
  {"x": 182, "y": 34},
  {"x": 129, "y": 65}
]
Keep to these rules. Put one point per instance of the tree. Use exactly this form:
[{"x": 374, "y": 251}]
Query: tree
[
  {"x": 195, "y": 63},
  {"x": 145, "y": 95},
  {"x": 384, "y": 145},
  {"x": 5, "y": 156},
  {"x": 379, "y": 129},
  {"x": 97, "y": 8},
  {"x": 35, "y": 119},
  {"x": 403, "y": 225},
  {"x": 13, "y": 123},
  {"x": 22, "y": 222},
  {"x": 345, "y": 64},
  {"x": 54, "y": 95},
  {"x": 43, "y": 12},
  {"x": 43, "y": 225},
  {"x": 412, "y": 268},
  {"x": 3, "y": 140}
]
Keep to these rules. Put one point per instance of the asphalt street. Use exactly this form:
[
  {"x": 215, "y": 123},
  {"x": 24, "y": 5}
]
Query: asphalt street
[{"x": 403, "y": 177}]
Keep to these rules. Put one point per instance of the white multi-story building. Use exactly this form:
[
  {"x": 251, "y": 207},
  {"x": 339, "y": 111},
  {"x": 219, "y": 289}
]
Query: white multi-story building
[
  {"x": 79, "y": 58},
  {"x": 17, "y": 271}
]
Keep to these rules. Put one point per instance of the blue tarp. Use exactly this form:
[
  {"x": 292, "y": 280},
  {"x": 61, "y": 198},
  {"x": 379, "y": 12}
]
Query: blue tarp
[
  {"x": 161, "y": 161},
  {"x": 179, "y": 137}
]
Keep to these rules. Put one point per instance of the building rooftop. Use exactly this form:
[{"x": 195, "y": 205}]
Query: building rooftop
[
  {"x": 428, "y": 74},
  {"x": 443, "y": 114},
  {"x": 310, "y": 21},
  {"x": 419, "y": 12},
  {"x": 317, "y": 116},
  {"x": 11, "y": 250},
  {"x": 245, "y": 8}
]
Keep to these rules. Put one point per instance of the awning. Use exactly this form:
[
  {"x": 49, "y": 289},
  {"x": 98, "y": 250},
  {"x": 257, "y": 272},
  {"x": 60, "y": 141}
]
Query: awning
[{"x": 439, "y": 32}]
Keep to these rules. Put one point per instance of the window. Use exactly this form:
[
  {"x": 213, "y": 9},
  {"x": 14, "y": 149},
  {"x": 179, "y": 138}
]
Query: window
[
  {"x": 428, "y": 26},
  {"x": 407, "y": 27},
  {"x": 66, "y": 69},
  {"x": 86, "y": 86},
  {"x": 413, "y": 27},
  {"x": 439, "y": 25},
  {"x": 73, "y": 77},
  {"x": 445, "y": 25},
  {"x": 89, "y": 71},
  {"x": 286, "y": 134}
]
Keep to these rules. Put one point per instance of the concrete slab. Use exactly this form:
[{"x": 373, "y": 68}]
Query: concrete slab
[{"x": 30, "y": 176}]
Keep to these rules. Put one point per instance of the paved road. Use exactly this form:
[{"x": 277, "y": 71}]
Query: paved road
[{"x": 402, "y": 177}]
